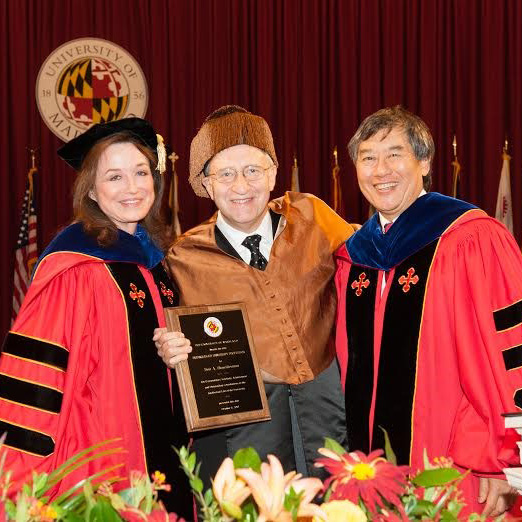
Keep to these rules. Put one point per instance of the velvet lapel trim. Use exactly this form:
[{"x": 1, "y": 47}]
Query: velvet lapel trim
[
  {"x": 423, "y": 222},
  {"x": 128, "y": 248}
]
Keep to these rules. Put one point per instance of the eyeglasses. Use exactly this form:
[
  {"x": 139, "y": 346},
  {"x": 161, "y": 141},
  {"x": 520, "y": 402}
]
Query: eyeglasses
[{"x": 229, "y": 175}]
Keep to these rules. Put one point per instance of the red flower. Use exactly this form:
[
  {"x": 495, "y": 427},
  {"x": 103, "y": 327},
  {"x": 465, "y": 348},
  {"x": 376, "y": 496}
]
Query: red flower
[
  {"x": 158, "y": 515},
  {"x": 372, "y": 479}
]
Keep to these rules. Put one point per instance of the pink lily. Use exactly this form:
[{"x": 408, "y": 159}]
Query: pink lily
[
  {"x": 270, "y": 486},
  {"x": 229, "y": 491}
]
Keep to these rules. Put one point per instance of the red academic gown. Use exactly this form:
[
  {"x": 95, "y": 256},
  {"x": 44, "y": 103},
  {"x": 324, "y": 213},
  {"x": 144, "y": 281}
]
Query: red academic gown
[
  {"x": 437, "y": 358},
  {"x": 79, "y": 367}
]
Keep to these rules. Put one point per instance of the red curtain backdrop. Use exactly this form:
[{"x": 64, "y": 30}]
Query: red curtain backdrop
[{"x": 312, "y": 68}]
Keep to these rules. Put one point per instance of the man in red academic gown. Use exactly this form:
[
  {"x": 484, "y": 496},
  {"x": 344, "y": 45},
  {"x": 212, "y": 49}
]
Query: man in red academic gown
[{"x": 429, "y": 334}]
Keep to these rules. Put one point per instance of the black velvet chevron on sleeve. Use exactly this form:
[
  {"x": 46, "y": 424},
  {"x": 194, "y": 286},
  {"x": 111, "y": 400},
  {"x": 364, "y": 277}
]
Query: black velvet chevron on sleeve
[{"x": 36, "y": 350}]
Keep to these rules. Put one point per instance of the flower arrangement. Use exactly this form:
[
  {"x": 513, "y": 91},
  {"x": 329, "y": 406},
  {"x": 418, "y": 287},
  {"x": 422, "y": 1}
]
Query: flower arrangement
[
  {"x": 359, "y": 488},
  {"x": 88, "y": 500}
]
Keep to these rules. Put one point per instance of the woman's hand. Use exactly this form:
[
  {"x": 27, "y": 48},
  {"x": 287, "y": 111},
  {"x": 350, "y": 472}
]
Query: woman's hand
[{"x": 173, "y": 347}]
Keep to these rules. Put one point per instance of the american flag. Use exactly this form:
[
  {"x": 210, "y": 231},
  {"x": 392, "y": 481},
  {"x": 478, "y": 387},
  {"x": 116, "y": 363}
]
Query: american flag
[{"x": 26, "y": 249}]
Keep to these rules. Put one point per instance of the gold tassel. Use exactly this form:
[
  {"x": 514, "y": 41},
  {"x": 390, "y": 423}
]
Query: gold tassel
[{"x": 162, "y": 154}]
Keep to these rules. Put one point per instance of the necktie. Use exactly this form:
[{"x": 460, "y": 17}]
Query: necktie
[
  {"x": 257, "y": 259},
  {"x": 387, "y": 227}
]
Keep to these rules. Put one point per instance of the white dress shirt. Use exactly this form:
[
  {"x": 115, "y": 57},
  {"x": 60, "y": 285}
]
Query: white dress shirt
[{"x": 235, "y": 237}]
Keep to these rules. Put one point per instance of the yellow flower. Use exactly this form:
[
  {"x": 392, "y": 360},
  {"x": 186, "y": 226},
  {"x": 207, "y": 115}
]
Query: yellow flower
[
  {"x": 342, "y": 511},
  {"x": 363, "y": 471},
  {"x": 36, "y": 507},
  {"x": 48, "y": 513},
  {"x": 158, "y": 477},
  {"x": 158, "y": 481},
  {"x": 229, "y": 491},
  {"x": 41, "y": 512}
]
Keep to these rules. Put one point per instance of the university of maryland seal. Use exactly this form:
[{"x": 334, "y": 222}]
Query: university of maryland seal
[
  {"x": 88, "y": 81},
  {"x": 213, "y": 327}
]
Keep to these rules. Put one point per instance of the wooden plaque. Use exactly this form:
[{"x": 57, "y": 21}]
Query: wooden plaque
[{"x": 220, "y": 383}]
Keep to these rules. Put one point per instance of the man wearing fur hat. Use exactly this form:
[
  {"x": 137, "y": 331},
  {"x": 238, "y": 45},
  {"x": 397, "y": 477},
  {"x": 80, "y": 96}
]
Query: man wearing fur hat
[{"x": 275, "y": 256}]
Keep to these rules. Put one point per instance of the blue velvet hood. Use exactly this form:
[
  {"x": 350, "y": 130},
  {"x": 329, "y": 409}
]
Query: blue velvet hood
[
  {"x": 137, "y": 248},
  {"x": 420, "y": 224}
]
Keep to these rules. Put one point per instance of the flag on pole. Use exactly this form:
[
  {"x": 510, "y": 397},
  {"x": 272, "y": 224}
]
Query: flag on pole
[
  {"x": 175, "y": 226},
  {"x": 337, "y": 195},
  {"x": 504, "y": 212},
  {"x": 455, "y": 192},
  {"x": 295, "y": 177},
  {"x": 456, "y": 179},
  {"x": 26, "y": 253}
]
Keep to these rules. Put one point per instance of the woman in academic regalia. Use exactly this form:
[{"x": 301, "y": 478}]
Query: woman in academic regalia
[{"x": 79, "y": 365}]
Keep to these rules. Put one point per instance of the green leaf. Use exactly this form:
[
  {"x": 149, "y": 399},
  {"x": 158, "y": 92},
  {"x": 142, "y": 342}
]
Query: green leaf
[
  {"x": 117, "y": 502},
  {"x": 72, "y": 491},
  {"x": 326, "y": 496},
  {"x": 62, "y": 470},
  {"x": 191, "y": 462},
  {"x": 454, "y": 508},
  {"x": 10, "y": 509},
  {"x": 71, "y": 516},
  {"x": 388, "y": 450},
  {"x": 55, "y": 477},
  {"x": 147, "y": 495},
  {"x": 247, "y": 458},
  {"x": 183, "y": 453},
  {"x": 126, "y": 495},
  {"x": 334, "y": 446},
  {"x": 209, "y": 497},
  {"x": 421, "y": 508},
  {"x": 435, "y": 477},
  {"x": 410, "y": 503},
  {"x": 249, "y": 513},
  {"x": 39, "y": 482},
  {"x": 447, "y": 516},
  {"x": 232, "y": 510},
  {"x": 292, "y": 502},
  {"x": 104, "y": 512},
  {"x": 196, "y": 484},
  {"x": 75, "y": 503}
]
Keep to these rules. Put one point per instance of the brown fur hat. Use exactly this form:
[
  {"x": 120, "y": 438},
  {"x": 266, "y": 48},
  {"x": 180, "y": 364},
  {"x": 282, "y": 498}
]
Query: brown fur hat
[{"x": 228, "y": 126}]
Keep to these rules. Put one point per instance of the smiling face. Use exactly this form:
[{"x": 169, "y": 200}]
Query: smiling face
[
  {"x": 124, "y": 186},
  {"x": 389, "y": 175},
  {"x": 242, "y": 204}
]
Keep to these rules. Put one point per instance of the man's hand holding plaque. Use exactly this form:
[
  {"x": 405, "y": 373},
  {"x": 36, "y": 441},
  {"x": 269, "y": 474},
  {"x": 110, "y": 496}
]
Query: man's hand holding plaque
[
  {"x": 211, "y": 349},
  {"x": 173, "y": 347}
]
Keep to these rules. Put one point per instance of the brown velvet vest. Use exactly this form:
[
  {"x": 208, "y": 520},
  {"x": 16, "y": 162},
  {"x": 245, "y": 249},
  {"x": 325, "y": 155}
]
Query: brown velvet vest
[{"x": 291, "y": 305}]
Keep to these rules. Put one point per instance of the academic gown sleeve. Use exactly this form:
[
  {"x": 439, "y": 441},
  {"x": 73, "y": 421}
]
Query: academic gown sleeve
[
  {"x": 487, "y": 302},
  {"x": 46, "y": 398}
]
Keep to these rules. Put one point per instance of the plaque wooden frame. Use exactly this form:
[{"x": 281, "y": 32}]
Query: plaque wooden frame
[{"x": 193, "y": 419}]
